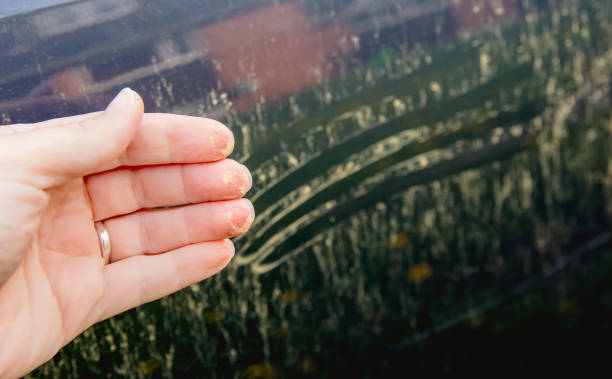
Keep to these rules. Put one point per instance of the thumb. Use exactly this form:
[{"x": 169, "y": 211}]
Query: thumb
[{"x": 49, "y": 156}]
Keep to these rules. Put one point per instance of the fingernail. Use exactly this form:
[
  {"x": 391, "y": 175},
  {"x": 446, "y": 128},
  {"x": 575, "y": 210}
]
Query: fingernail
[
  {"x": 249, "y": 176},
  {"x": 124, "y": 99},
  {"x": 240, "y": 219},
  {"x": 221, "y": 142},
  {"x": 233, "y": 249},
  {"x": 239, "y": 181}
]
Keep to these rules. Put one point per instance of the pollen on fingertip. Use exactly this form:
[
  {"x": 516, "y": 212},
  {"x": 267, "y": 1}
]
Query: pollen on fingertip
[
  {"x": 221, "y": 142},
  {"x": 229, "y": 146},
  {"x": 237, "y": 179},
  {"x": 239, "y": 221}
]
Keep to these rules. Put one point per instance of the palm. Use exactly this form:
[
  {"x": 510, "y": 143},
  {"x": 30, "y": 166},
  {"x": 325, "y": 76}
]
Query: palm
[
  {"x": 67, "y": 250},
  {"x": 62, "y": 285}
]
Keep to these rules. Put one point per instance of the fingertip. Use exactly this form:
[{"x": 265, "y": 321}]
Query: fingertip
[
  {"x": 232, "y": 249},
  {"x": 241, "y": 217},
  {"x": 226, "y": 254},
  {"x": 136, "y": 99},
  {"x": 221, "y": 140},
  {"x": 127, "y": 101},
  {"x": 123, "y": 100},
  {"x": 119, "y": 122},
  {"x": 249, "y": 177},
  {"x": 237, "y": 179},
  {"x": 252, "y": 208}
]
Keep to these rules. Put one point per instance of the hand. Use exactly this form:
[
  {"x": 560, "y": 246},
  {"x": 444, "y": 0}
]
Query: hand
[{"x": 60, "y": 176}]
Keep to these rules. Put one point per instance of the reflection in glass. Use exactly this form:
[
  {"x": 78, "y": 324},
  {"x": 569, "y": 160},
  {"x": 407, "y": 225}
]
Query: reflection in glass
[{"x": 417, "y": 166}]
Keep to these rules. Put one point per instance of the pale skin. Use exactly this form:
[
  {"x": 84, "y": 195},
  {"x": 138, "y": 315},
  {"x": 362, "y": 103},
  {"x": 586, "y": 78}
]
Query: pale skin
[{"x": 60, "y": 176}]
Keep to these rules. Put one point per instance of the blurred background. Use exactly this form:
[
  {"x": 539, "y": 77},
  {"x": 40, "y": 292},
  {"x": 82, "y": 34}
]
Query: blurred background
[{"x": 432, "y": 179}]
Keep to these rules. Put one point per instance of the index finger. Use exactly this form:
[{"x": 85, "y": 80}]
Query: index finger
[
  {"x": 161, "y": 138},
  {"x": 168, "y": 138}
]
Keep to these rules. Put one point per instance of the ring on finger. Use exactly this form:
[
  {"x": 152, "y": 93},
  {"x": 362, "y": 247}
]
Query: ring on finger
[{"x": 104, "y": 237}]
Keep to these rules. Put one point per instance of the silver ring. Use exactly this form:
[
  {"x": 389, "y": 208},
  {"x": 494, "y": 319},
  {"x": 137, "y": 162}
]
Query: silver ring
[{"x": 104, "y": 237}]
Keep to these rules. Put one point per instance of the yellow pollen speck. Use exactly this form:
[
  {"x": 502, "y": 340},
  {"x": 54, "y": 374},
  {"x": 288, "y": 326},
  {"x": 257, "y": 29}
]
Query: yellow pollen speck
[
  {"x": 261, "y": 371},
  {"x": 398, "y": 241},
  {"x": 419, "y": 272},
  {"x": 289, "y": 296},
  {"x": 214, "y": 316},
  {"x": 148, "y": 367},
  {"x": 228, "y": 149},
  {"x": 308, "y": 366},
  {"x": 219, "y": 142},
  {"x": 236, "y": 179},
  {"x": 240, "y": 227}
]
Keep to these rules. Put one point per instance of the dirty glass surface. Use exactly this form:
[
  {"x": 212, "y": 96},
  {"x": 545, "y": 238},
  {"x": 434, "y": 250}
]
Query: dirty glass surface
[{"x": 432, "y": 179}]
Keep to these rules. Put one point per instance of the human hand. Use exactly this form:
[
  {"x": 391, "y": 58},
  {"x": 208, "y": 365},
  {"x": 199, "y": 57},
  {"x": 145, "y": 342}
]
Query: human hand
[{"x": 60, "y": 176}]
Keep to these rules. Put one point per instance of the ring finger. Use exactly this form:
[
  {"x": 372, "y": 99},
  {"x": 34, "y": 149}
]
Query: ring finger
[{"x": 158, "y": 231}]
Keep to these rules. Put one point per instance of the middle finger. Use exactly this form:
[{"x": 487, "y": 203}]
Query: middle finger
[{"x": 126, "y": 190}]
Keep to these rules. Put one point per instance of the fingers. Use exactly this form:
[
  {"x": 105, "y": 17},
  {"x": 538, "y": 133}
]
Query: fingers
[
  {"x": 126, "y": 190},
  {"x": 79, "y": 147},
  {"x": 158, "y": 231},
  {"x": 141, "y": 279}
]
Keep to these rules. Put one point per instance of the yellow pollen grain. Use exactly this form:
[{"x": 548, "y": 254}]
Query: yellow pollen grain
[
  {"x": 241, "y": 227},
  {"x": 236, "y": 179},
  {"x": 247, "y": 223},
  {"x": 217, "y": 141},
  {"x": 228, "y": 149}
]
